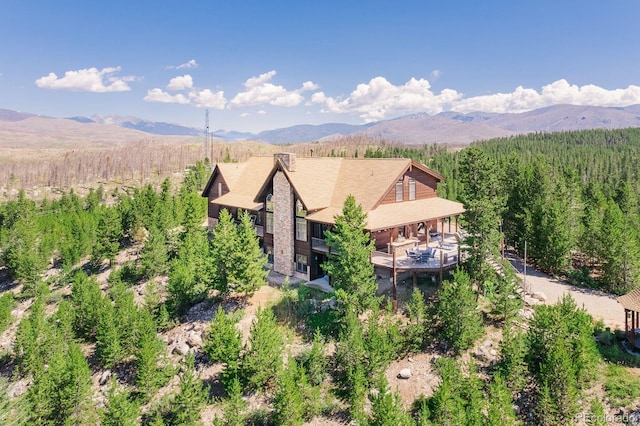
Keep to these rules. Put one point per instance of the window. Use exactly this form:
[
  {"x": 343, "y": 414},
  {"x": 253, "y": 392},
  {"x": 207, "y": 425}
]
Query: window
[
  {"x": 269, "y": 222},
  {"x": 412, "y": 189},
  {"x": 269, "y": 252},
  {"x": 219, "y": 189},
  {"x": 269, "y": 214},
  {"x": 399, "y": 190},
  {"x": 301, "y": 222},
  {"x": 269, "y": 202},
  {"x": 301, "y": 263}
]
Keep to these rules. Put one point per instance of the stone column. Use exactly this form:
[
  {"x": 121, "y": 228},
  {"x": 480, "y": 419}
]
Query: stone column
[{"x": 283, "y": 225}]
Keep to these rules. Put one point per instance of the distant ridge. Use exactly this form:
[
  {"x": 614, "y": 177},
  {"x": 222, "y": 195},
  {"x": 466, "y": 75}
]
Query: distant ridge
[{"x": 451, "y": 128}]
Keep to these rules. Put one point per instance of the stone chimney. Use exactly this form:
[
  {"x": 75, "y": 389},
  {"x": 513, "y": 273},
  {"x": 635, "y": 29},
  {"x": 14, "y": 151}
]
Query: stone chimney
[{"x": 288, "y": 160}]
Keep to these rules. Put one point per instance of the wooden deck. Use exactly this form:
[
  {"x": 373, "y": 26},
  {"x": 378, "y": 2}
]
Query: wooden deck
[{"x": 446, "y": 257}]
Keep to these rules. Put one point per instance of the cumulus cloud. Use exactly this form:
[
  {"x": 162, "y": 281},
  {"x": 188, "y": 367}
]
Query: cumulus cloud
[
  {"x": 379, "y": 98},
  {"x": 180, "y": 83},
  {"x": 559, "y": 92},
  {"x": 245, "y": 115},
  {"x": 260, "y": 91},
  {"x": 208, "y": 99},
  {"x": 159, "y": 95},
  {"x": 88, "y": 80}
]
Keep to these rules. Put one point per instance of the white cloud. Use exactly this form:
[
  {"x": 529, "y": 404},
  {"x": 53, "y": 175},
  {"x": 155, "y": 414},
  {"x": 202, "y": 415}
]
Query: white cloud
[
  {"x": 379, "y": 99},
  {"x": 435, "y": 74},
  {"x": 259, "y": 91},
  {"x": 158, "y": 95},
  {"x": 186, "y": 66},
  {"x": 180, "y": 83},
  {"x": 88, "y": 80},
  {"x": 262, "y": 112},
  {"x": 245, "y": 115},
  {"x": 208, "y": 99},
  {"x": 559, "y": 92}
]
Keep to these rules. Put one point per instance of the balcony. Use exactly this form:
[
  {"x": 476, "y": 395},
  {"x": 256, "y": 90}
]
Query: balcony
[
  {"x": 319, "y": 245},
  {"x": 259, "y": 230}
]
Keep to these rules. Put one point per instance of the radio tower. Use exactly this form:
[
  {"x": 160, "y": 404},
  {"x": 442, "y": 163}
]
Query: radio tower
[{"x": 207, "y": 137}]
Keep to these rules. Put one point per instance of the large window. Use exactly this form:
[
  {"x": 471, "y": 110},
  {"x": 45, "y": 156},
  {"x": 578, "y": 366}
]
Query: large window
[
  {"x": 399, "y": 190},
  {"x": 412, "y": 189},
  {"x": 301, "y": 263},
  {"x": 301, "y": 222},
  {"x": 269, "y": 214}
]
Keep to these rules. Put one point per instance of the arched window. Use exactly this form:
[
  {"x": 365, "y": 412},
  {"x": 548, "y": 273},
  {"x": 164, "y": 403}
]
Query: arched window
[
  {"x": 301, "y": 222},
  {"x": 269, "y": 207}
]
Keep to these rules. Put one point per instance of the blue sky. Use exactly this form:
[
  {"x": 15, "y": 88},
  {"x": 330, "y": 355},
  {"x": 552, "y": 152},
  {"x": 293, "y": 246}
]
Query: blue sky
[{"x": 265, "y": 65}]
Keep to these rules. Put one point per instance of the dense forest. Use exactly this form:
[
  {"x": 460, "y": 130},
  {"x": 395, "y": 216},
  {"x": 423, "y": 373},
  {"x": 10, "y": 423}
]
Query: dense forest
[
  {"x": 572, "y": 196},
  {"x": 96, "y": 291}
]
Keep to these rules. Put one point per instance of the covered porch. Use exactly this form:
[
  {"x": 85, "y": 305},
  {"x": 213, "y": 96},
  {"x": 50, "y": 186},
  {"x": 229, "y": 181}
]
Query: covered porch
[{"x": 631, "y": 304}]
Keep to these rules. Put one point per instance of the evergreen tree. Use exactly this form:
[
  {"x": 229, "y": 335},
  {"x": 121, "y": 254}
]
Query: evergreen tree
[
  {"x": 192, "y": 397},
  {"x": 289, "y": 400},
  {"x": 234, "y": 406},
  {"x": 153, "y": 256},
  {"x": 223, "y": 246},
  {"x": 190, "y": 272},
  {"x": 249, "y": 261},
  {"x": 349, "y": 266},
  {"x": 500, "y": 404},
  {"x": 108, "y": 346},
  {"x": 386, "y": 407},
  {"x": 22, "y": 254},
  {"x": 108, "y": 237},
  {"x": 149, "y": 348},
  {"x": 416, "y": 328},
  {"x": 459, "y": 319},
  {"x": 61, "y": 394},
  {"x": 86, "y": 298},
  {"x": 224, "y": 343},
  {"x": 507, "y": 300},
  {"x": 262, "y": 361},
  {"x": 620, "y": 251},
  {"x": 120, "y": 409},
  {"x": 314, "y": 361},
  {"x": 482, "y": 196}
]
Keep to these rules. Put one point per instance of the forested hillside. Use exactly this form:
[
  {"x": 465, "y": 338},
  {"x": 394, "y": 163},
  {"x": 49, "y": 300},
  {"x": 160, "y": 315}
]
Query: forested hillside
[
  {"x": 572, "y": 196},
  {"x": 121, "y": 308}
]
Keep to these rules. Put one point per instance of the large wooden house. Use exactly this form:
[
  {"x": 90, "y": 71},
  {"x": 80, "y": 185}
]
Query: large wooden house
[{"x": 294, "y": 201}]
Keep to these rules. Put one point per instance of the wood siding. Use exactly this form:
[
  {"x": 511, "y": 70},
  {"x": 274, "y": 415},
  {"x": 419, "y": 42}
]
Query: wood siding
[
  {"x": 426, "y": 187},
  {"x": 214, "y": 209}
]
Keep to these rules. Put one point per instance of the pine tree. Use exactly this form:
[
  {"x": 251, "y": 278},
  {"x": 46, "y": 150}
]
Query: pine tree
[
  {"x": 289, "y": 400},
  {"x": 460, "y": 321},
  {"x": 234, "y": 406},
  {"x": 483, "y": 199},
  {"x": 224, "y": 341},
  {"x": 223, "y": 247},
  {"x": 416, "y": 328},
  {"x": 500, "y": 404},
  {"x": 108, "y": 346},
  {"x": 153, "y": 256},
  {"x": 108, "y": 237},
  {"x": 192, "y": 396},
  {"x": 349, "y": 266},
  {"x": 86, "y": 298},
  {"x": 22, "y": 254},
  {"x": 386, "y": 407},
  {"x": 249, "y": 261},
  {"x": 262, "y": 361},
  {"x": 120, "y": 409}
]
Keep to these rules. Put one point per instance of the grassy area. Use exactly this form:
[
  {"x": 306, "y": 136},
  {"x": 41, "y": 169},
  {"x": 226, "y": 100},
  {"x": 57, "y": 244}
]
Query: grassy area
[{"x": 621, "y": 386}]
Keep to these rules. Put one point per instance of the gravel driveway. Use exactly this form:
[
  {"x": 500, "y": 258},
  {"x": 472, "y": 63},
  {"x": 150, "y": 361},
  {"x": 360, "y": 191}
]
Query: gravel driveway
[{"x": 599, "y": 304}]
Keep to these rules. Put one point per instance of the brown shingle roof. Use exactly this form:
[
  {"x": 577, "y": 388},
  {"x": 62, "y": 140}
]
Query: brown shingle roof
[
  {"x": 631, "y": 300},
  {"x": 397, "y": 214},
  {"x": 244, "y": 181}
]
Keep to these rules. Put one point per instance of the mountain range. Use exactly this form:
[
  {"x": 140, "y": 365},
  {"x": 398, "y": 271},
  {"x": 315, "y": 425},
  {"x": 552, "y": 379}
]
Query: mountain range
[{"x": 447, "y": 128}]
